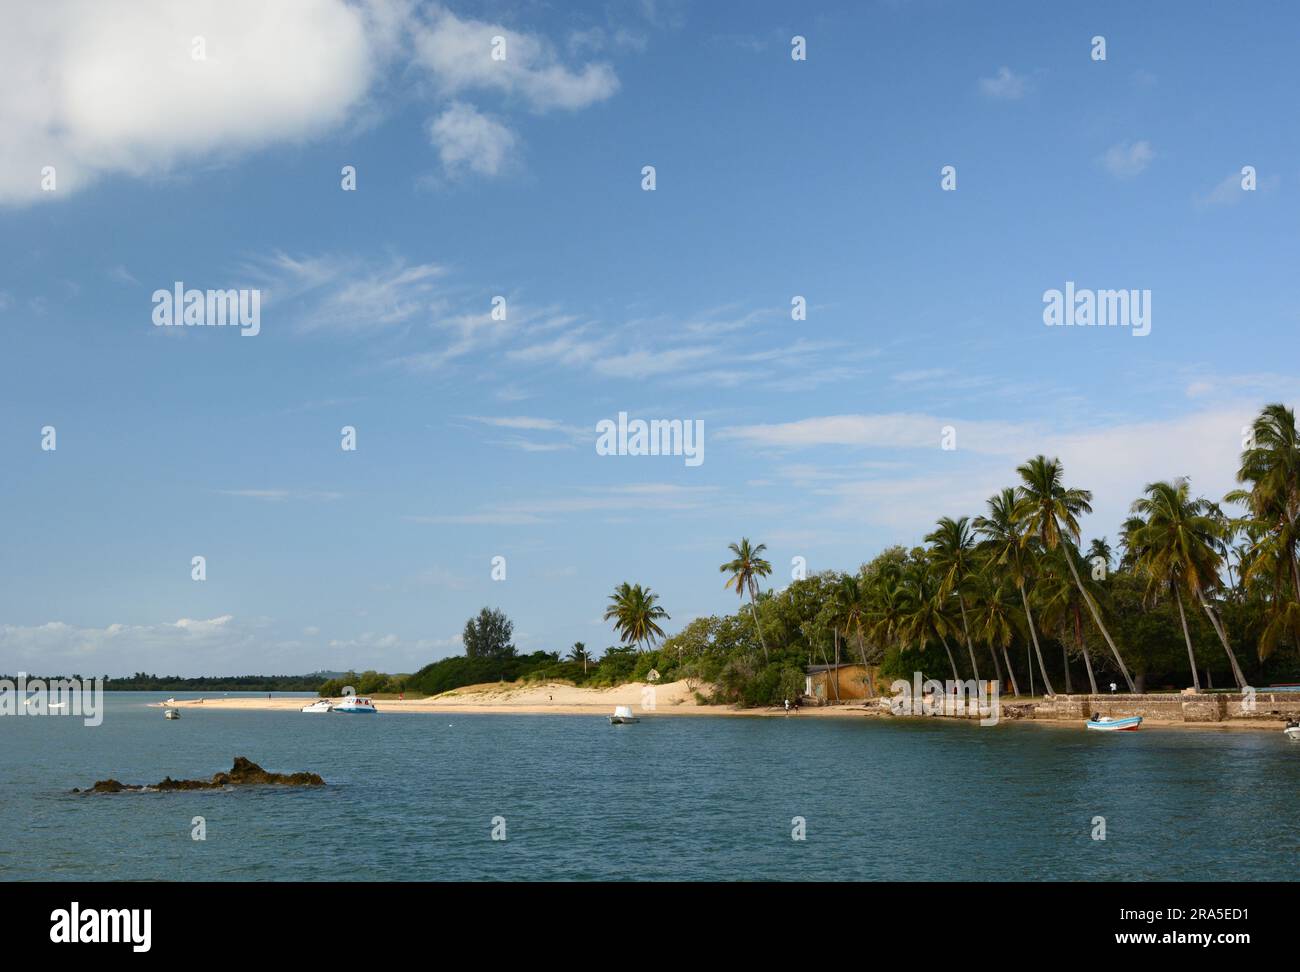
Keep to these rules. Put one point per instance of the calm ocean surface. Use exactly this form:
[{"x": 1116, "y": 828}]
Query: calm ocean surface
[{"x": 411, "y": 797}]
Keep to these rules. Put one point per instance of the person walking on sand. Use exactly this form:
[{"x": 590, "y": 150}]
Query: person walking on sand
[{"x": 787, "y": 706}]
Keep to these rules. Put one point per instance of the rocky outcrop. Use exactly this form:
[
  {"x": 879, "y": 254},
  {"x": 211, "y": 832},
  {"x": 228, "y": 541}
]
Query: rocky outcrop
[{"x": 243, "y": 773}]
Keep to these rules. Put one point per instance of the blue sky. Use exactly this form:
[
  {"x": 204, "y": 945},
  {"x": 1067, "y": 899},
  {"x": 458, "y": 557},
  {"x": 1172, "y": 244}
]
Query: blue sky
[{"x": 522, "y": 178}]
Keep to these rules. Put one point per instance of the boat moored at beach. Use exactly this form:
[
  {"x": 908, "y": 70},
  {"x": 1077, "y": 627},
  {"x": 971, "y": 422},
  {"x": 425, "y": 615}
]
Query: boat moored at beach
[
  {"x": 622, "y": 716},
  {"x": 356, "y": 704},
  {"x": 1107, "y": 724},
  {"x": 320, "y": 705}
]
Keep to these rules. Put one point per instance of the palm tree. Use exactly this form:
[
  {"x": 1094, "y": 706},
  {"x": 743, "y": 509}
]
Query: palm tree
[
  {"x": 745, "y": 570},
  {"x": 579, "y": 653},
  {"x": 1050, "y": 511},
  {"x": 1099, "y": 549},
  {"x": 924, "y": 619},
  {"x": 635, "y": 614},
  {"x": 1008, "y": 548},
  {"x": 851, "y": 598},
  {"x": 1178, "y": 550},
  {"x": 994, "y": 618},
  {"x": 1063, "y": 608},
  {"x": 952, "y": 551},
  {"x": 1272, "y": 468}
]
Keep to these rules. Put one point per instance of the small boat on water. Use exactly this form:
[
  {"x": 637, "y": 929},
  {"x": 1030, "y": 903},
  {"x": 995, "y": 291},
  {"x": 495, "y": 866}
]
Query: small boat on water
[
  {"x": 1292, "y": 730},
  {"x": 320, "y": 705},
  {"x": 172, "y": 714},
  {"x": 355, "y": 703},
  {"x": 622, "y": 716},
  {"x": 1107, "y": 724}
]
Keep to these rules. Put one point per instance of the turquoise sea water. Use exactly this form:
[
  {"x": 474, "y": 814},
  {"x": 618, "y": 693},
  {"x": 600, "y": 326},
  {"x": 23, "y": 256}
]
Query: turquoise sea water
[{"x": 412, "y": 797}]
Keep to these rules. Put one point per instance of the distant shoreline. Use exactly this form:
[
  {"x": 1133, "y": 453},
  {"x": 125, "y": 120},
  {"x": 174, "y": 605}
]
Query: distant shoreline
[{"x": 672, "y": 699}]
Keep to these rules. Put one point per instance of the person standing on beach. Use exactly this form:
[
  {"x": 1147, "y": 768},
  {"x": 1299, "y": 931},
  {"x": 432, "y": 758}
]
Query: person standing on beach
[{"x": 787, "y": 706}]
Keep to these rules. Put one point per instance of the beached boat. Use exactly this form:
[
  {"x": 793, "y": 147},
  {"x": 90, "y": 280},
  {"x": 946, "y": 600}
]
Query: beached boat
[
  {"x": 1107, "y": 724},
  {"x": 171, "y": 714},
  {"x": 320, "y": 705},
  {"x": 355, "y": 703},
  {"x": 622, "y": 716}
]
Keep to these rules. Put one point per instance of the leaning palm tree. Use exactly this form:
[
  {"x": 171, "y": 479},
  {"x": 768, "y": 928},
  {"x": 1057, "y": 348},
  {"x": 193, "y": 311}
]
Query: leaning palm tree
[
  {"x": 745, "y": 570},
  {"x": 1271, "y": 467},
  {"x": 925, "y": 619},
  {"x": 1062, "y": 608},
  {"x": 851, "y": 595},
  {"x": 635, "y": 614},
  {"x": 952, "y": 551},
  {"x": 994, "y": 618},
  {"x": 1008, "y": 549},
  {"x": 1050, "y": 512},
  {"x": 1178, "y": 551}
]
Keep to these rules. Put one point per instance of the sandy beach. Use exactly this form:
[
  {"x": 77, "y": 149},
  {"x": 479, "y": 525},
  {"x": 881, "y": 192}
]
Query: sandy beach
[
  {"x": 540, "y": 698},
  {"x": 664, "y": 699}
]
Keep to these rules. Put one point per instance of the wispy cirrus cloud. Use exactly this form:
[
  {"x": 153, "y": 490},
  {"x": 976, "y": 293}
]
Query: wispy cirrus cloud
[
  {"x": 282, "y": 495},
  {"x": 1128, "y": 159},
  {"x": 1005, "y": 85},
  {"x": 632, "y": 498}
]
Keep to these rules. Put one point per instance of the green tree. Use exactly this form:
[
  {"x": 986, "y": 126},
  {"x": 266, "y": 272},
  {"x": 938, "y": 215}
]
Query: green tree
[
  {"x": 1009, "y": 548},
  {"x": 1178, "y": 552},
  {"x": 952, "y": 550},
  {"x": 1050, "y": 512},
  {"x": 745, "y": 569},
  {"x": 1271, "y": 468},
  {"x": 636, "y": 613},
  {"x": 488, "y": 635},
  {"x": 579, "y": 653}
]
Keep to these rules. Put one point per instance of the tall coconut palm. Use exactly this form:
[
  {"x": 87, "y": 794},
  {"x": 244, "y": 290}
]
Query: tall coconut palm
[
  {"x": 851, "y": 595},
  {"x": 925, "y": 619},
  {"x": 1009, "y": 548},
  {"x": 636, "y": 613},
  {"x": 994, "y": 618},
  {"x": 1271, "y": 467},
  {"x": 745, "y": 570},
  {"x": 1062, "y": 608},
  {"x": 1178, "y": 550},
  {"x": 952, "y": 551},
  {"x": 1050, "y": 511}
]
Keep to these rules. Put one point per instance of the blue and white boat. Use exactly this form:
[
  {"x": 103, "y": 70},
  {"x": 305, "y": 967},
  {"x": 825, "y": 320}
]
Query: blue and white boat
[
  {"x": 355, "y": 703},
  {"x": 1107, "y": 724}
]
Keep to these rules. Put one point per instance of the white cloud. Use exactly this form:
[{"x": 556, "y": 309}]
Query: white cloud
[
  {"x": 467, "y": 139},
  {"x": 634, "y": 498},
  {"x": 1114, "y": 460},
  {"x": 1126, "y": 160},
  {"x": 908, "y": 430},
  {"x": 339, "y": 293},
  {"x": 459, "y": 55},
  {"x": 1005, "y": 85},
  {"x": 280, "y": 495},
  {"x": 94, "y": 88}
]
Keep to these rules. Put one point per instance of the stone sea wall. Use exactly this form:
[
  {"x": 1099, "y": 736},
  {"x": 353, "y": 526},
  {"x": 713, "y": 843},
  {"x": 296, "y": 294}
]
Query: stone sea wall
[{"x": 1217, "y": 707}]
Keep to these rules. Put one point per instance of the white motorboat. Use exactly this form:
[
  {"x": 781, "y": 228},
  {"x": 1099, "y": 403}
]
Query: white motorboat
[
  {"x": 320, "y": 705},
  {"x": 172, "y": 714},
  {"x": 1107, "y": 724},
  {"x": 355, "y": 704},
  {"x": 622, "y": 716},
  {"x": 1292, "y": 730}
]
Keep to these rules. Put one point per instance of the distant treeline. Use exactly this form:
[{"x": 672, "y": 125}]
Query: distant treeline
[{"x": 144, "y": 682}]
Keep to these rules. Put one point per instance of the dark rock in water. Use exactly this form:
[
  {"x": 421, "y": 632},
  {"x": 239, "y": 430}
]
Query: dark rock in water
[{"x": 243, "y": 773}]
